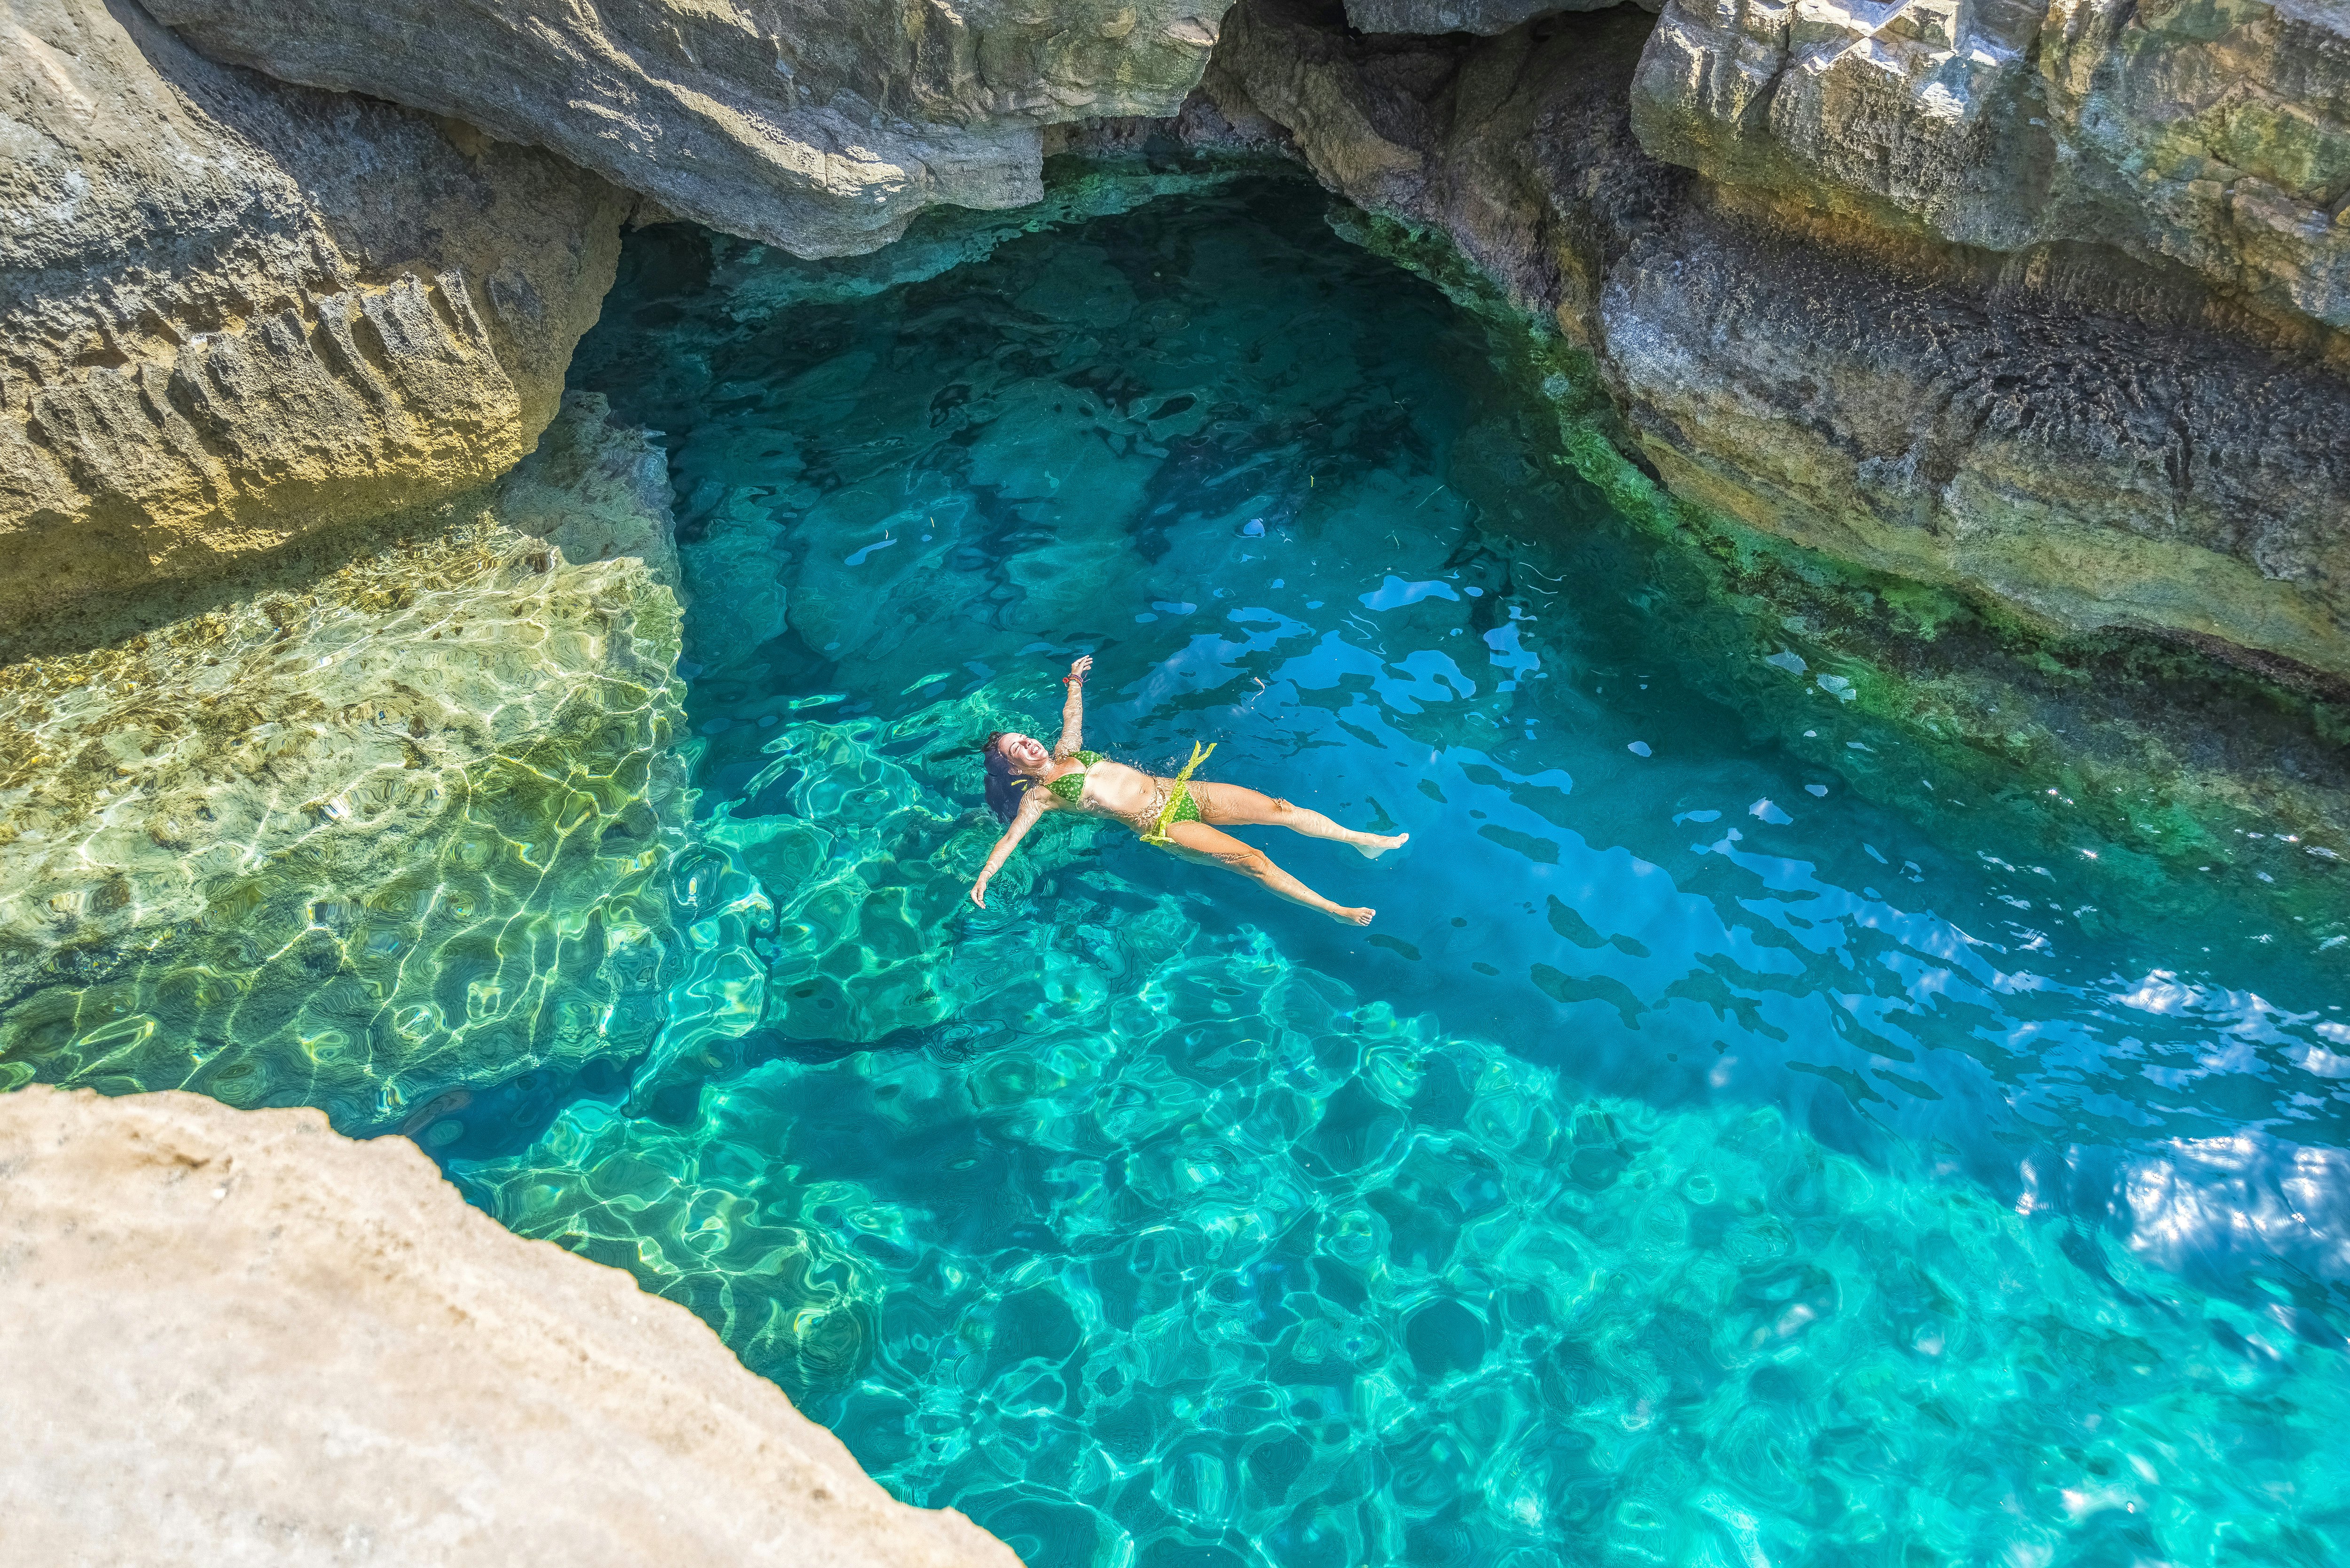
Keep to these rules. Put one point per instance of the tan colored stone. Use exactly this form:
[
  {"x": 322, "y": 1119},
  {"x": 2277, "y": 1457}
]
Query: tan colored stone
[
  {"x": 237, "y": 1337},
  {"x": 233, "y": 312}
]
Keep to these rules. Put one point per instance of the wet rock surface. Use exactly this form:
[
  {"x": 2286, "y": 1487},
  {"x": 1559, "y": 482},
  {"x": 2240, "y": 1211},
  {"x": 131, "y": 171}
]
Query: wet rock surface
[
  {"x": 239, "y": 1338},
  {"x": 323, "y": 844},
  {"x": 823, "y": 129},
  {"x": 2093, "y": 440},
  {"x": 234, "y": 312}
]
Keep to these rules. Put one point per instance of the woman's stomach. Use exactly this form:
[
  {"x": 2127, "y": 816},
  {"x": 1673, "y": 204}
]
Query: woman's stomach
[{"x": 1113, "y": 789}]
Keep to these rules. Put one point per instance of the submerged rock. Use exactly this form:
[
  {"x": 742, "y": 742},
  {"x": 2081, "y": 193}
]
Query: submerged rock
[
  {"x": 408, "y": 818},
  {"x": 819, "y": 128},
  {"x": 236, "y": 1337},
  {"x": 234, "y": 313}
]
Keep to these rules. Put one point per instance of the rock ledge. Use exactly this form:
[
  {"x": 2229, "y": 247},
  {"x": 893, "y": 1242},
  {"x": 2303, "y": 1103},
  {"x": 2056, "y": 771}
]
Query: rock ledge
[{"x": 235, "y": 1336}]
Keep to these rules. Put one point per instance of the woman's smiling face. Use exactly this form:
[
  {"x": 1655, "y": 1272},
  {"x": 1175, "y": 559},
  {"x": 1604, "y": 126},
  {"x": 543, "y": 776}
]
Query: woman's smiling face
[{"x": 1024, "y": 753}]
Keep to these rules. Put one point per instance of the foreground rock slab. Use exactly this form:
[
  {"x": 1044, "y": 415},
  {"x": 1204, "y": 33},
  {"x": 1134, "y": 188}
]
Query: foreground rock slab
[{"x": 239, "y": 1337}]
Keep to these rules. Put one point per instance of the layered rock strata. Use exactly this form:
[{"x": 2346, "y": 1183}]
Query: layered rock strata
[
  {"x": 405, "y": 816},
  {"x": 234, "y": 312},
  {"x": 2096, "y": 439},
  {"x": 235, "y": 1338},
  {"x": 2215, "y": 133},
  {"x": 819, "y": 128}
]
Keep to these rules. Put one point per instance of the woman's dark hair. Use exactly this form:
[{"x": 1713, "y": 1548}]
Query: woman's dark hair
[{"x": 1003, "y": 789}]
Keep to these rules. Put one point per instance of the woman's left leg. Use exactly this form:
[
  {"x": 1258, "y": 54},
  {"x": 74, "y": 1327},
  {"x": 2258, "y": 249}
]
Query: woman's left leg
[
  {"x": 1230, "y": 804},
  {"x": 1198, "y": 841}
]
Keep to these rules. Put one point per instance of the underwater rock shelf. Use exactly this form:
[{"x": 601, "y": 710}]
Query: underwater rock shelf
[{"x": 395, "y": 831}]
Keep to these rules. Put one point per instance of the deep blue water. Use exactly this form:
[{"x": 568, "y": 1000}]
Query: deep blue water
[{"x": 1694, "y": 1163}]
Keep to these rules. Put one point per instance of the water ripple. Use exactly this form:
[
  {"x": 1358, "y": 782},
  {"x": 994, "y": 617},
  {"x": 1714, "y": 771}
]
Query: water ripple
[{"x": 1755, "y": 1130}]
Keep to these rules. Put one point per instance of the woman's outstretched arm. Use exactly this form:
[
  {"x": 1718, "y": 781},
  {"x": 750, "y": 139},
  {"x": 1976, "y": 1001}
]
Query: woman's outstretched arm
[
  {"x": 1073, "y": 709},
  {"x": 1033, "y": 802}
]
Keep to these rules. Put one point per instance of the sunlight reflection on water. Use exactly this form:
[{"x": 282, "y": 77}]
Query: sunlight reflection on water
[{"x": 1695, "y": 1163}]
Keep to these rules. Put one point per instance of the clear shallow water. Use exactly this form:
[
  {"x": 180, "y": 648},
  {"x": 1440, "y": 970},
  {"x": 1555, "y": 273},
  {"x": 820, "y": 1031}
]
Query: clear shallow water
[{"x": 1695, "y": 1163}]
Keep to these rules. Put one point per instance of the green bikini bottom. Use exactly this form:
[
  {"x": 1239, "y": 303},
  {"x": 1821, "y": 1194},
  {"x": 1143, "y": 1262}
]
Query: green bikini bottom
[{"x": 1180, "y": 806}]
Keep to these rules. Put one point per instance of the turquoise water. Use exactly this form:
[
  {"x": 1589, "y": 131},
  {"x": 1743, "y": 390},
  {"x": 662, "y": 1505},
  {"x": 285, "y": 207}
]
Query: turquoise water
[{"x": 1695, "y": 1162}]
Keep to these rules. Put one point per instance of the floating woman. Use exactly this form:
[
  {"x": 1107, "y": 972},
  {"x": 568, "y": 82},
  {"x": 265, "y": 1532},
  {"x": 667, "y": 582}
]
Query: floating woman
[{"x": 1185, "y": 815}]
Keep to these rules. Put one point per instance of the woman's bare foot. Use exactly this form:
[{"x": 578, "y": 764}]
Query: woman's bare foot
[
  {"x": 1353, "y": 916},
  {"x": 1371, "y": 847}
]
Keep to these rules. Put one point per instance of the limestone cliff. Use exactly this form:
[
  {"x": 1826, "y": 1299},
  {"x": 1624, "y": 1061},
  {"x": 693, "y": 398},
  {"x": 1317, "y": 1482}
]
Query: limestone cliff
[
  {"x": 2215, "y": 134},
  {"x": 822, "y": 129},
  {"x": 2042, "y": 299},
  {"x": 236, "y": 1337},
  {"x": 403, "y": 816},
  {"x": 2095, "y": 438},
  {"x": 233, "y": 312}
]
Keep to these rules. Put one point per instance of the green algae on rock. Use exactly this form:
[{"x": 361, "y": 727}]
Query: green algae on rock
[
  {"x": 2091, "y": 440},
  {"x": 408, "y": 823},
  {"x": 2170, "y": 749}
]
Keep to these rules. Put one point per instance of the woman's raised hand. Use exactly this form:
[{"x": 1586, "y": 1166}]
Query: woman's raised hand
[{"x": 1078, "y": 671}]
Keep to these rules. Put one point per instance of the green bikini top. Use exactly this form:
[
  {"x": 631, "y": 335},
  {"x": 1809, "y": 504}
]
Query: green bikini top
[{"x": 1071, "y": 786}]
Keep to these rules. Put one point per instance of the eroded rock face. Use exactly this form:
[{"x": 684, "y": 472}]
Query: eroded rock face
[
  {"x": 2085, "y": 437},
  {"x": 820, "y": 129},
  {"x": 2211, "y": 133},
  {"x": 406, "y": 817},
  {"x": 234, "y": 312},
  {"x": 2087, "y": 469},
  {"x": 236, "y": 1337}
]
